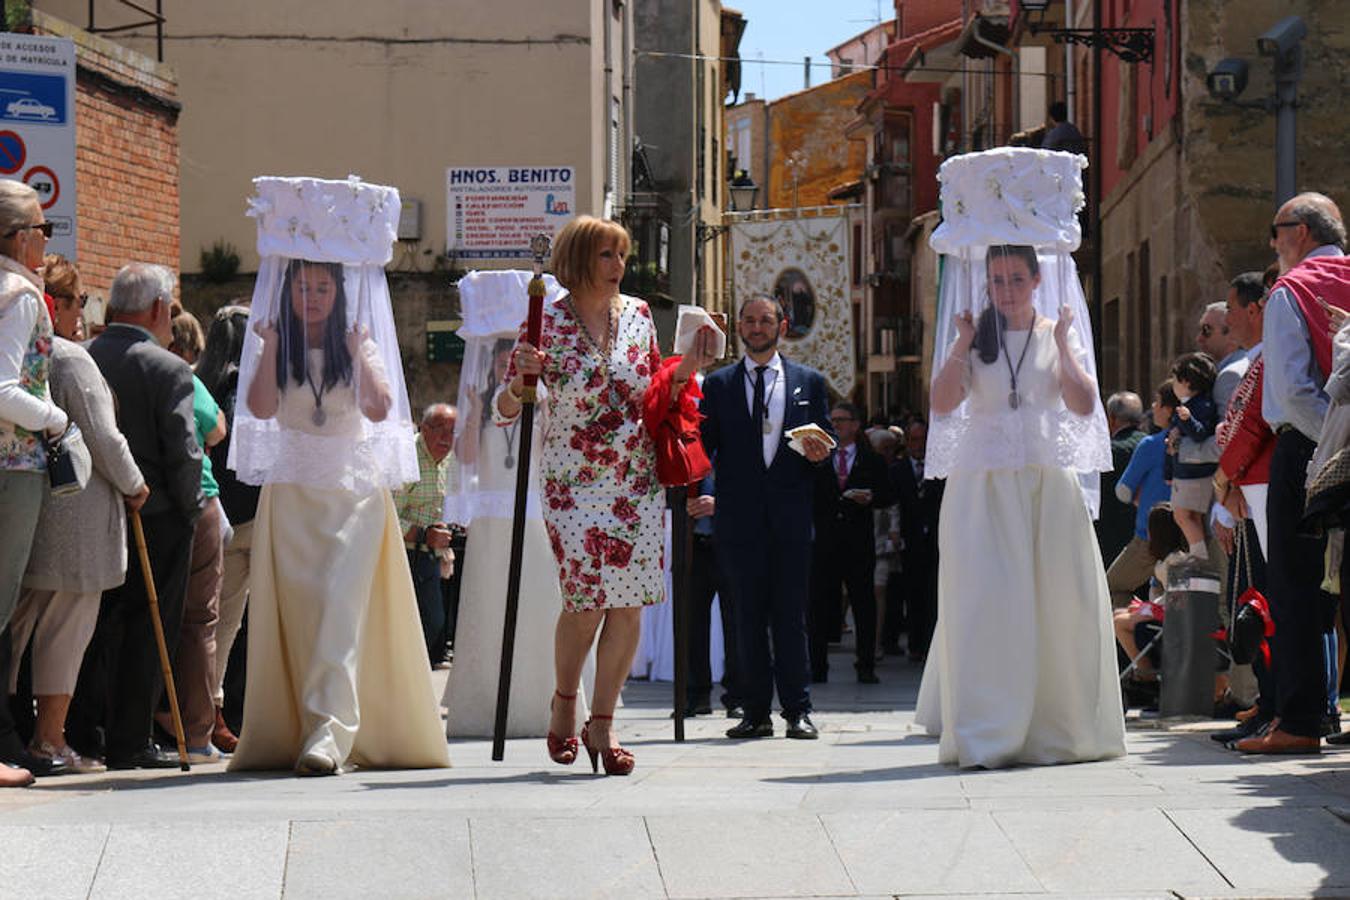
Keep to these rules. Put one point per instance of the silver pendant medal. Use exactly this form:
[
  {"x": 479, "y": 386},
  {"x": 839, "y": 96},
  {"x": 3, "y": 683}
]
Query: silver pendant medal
[
  {"x": 318, "y": 417},
  {"x": 1014, "y": 397}
]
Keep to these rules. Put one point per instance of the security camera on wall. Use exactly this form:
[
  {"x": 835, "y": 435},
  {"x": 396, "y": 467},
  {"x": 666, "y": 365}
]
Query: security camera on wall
[
  {"x": 1283, "y": 37},
  {"x": 1228, "y": 79}
]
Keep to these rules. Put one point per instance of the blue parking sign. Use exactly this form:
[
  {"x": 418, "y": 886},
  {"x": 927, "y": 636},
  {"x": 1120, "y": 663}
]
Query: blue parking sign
[
  {"x": 31, "y": 98},
  {"x": 37, "y": 127}
]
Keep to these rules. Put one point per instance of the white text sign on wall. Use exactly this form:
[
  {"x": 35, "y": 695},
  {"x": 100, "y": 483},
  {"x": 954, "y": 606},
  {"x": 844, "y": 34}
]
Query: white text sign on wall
[
  {"x": 37, "y": 126},
  {"x": 493, "y": 211}
]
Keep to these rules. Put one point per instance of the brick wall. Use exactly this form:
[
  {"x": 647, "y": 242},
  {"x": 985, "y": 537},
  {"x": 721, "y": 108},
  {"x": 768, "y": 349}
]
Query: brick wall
[{"x": 126, "y": 156}]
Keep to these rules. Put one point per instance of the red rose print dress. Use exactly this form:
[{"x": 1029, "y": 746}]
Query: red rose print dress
[{"x": 603, "y": 507}]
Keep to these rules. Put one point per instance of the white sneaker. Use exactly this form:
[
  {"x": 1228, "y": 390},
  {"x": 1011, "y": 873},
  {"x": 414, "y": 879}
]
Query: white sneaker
[{"x": 200, "y": 756}]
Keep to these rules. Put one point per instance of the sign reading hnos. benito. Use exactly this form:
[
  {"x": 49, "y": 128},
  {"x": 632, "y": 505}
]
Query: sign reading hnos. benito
[{"x": 493, "y": 211}]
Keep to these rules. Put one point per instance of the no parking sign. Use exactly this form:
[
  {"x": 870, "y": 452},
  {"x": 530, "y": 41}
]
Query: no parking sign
[{"x": 37, "y": 126}]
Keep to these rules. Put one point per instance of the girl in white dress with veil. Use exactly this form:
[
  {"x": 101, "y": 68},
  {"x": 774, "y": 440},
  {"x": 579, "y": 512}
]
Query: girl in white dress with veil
[
  {"x": 488, "y": 457},
  {"x": 1022, "y": 665},
  {"x": 336, "y": 662}
]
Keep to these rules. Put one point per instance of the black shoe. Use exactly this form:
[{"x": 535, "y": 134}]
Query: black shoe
[
  {"x": 1340, "y": 739},
  {"x": 1245, "y": 730},
  {"x": 148, "y": 757},
  {"x": 1331, "y": 725},
  {"x": 1258, "y": 728},
  {"x": 736, "y": 712},
  {"x": 40, "y": 766},
  {"x": 749, "y": 728},
  {"x": 800, "y": 728},
  {"x": 868, "y": 678}
]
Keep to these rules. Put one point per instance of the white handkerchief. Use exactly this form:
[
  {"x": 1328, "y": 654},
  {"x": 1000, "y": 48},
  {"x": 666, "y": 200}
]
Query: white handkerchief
[{"x": 687, "y": 324}]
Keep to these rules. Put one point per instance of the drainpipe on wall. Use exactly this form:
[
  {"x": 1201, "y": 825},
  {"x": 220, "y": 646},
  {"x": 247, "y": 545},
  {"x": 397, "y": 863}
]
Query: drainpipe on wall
[
  {"x": 1070, "y": 82},
  {"x": 608, "y": 109},
  {"x": 1017, "y": 74},
  {"x": 629, "y": 112}
]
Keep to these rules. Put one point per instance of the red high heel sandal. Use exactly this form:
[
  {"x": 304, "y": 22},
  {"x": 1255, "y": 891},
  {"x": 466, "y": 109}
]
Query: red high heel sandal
[
  {"x": 562, "y": 750},
  {"x": 617, "y": 760}
]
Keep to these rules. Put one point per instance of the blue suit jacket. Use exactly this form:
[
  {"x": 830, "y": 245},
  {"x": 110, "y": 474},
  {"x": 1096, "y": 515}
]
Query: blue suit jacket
[{"x": 755, "y": 502}]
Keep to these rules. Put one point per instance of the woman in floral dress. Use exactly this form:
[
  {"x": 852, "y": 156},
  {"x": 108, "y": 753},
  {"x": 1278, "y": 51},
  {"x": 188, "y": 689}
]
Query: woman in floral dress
[{"x": 603, "y": 505}]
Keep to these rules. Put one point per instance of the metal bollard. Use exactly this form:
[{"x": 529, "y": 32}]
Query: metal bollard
[{"x": 1188, "y": 656}]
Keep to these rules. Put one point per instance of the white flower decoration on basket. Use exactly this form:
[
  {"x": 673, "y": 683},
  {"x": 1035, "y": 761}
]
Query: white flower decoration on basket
[
  {"x": 349, "y": 222},
  {"x": 1012, "y": 195}
]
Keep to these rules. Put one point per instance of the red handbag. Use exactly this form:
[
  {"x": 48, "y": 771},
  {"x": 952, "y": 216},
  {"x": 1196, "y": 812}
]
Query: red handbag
[{"x": 674, "y": 428}]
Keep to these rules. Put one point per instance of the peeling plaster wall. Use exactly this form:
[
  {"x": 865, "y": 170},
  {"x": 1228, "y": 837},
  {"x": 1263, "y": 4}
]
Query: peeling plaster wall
[{"x": 811, "y": 123}]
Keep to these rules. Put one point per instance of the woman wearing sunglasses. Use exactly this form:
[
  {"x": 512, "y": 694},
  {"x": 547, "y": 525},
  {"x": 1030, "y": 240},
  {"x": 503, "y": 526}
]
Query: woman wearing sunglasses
[
  {"x": 26, "y": 412},
  {"x": 63, "y": 286}
]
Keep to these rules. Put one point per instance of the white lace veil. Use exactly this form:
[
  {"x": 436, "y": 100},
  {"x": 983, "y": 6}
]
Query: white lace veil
[
  {"x": 1001, "y": 202},
  {"x": 322, "y": 400},
  {"x": 493, "y": 305}
]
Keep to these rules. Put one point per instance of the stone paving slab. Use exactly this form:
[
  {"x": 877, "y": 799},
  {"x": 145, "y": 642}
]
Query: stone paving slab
[
  {"x": 1089, "y": 851},
  {"x": 205, "y": 861},
  {"x": 782, "y": 854},
  {"x": 923, "y": 851},
  {"x": 55, "y": 862},
  {"x": 1257, "y": 848},
  {"x": 388, "y": 857},
  {"x": 549, "y": 858}
]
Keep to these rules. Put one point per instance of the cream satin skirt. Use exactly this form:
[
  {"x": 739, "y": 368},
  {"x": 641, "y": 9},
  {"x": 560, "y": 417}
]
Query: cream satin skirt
[
  {"x": 471, "y": 690},
  {"x": 1023, "y": 666},
  {"x": 336, "y": 659}
]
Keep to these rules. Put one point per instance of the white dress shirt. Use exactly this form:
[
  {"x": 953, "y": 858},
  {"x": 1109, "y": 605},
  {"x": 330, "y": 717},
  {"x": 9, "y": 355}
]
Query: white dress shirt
[{"x": 775, "y": 402}]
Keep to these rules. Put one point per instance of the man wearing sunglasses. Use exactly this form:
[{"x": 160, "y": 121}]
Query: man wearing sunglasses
[{"x": 1308, "y": 236}]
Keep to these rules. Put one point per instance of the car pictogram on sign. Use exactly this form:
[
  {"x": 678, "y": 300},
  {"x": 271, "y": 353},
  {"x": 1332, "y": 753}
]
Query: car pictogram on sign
[{"x": 30, "y": 108}]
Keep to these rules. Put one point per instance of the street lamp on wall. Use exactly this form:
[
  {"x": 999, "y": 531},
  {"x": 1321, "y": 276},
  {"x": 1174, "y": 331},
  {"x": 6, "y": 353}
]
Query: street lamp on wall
[
  {"x": 1129, "y": 44},
  {"x": 743, "y": 191}
]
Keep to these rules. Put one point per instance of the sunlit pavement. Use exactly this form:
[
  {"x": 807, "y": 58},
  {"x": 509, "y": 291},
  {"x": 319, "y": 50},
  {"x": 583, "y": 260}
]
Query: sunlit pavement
[{"x": 864, "y": 811}]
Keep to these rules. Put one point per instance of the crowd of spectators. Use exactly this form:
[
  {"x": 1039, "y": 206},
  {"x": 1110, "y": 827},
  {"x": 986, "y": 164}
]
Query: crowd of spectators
[{"x": 1239, "y": 476}]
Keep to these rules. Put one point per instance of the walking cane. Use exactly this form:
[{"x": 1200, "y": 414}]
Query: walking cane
[
  {"x": 534, "y": 325},
  {"x": 153, "y": 596}
]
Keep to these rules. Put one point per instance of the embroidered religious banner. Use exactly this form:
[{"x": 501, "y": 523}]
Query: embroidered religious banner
[{"x": 804, "y": 263}]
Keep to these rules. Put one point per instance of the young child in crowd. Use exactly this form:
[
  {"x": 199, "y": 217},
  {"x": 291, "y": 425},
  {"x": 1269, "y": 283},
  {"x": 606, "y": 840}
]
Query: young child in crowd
[
  {"x": 1167, "y": 546},
  {"x": 1193, "y": 452}
]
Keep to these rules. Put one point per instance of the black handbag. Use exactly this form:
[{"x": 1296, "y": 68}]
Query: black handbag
[{"x": 68, "y": 461}]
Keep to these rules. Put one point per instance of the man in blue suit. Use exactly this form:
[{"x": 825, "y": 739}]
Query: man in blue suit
[{"x": 762, "y": 518}]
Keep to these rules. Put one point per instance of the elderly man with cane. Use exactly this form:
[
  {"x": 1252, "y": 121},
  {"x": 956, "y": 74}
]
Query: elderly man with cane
[{"x": 121, "y": 680}]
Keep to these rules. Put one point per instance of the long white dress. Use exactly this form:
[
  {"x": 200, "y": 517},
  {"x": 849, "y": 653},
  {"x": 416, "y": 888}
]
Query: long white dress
[
  {"x": 470, "y": 695},
  {"x": 1022, "y": 665},
  {"x": 336, "y": 658}
]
